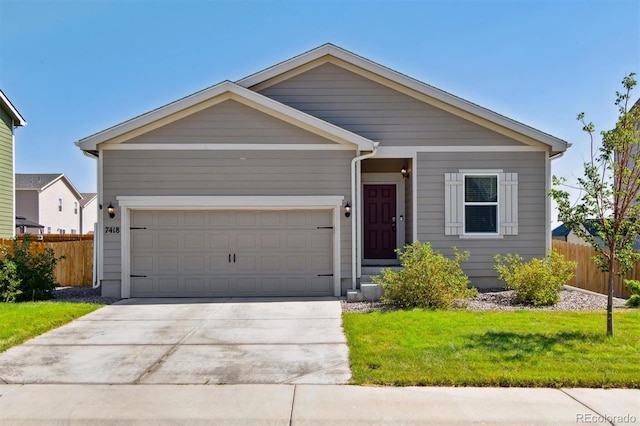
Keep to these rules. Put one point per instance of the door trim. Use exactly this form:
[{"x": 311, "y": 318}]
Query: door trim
[
  {"x": 257, "y": 202},
  {"x": 390, "y": 179}
]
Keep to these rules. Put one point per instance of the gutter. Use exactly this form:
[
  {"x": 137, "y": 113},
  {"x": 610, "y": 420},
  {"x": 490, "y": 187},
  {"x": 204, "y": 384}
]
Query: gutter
[{"x": 355, "y": 186}]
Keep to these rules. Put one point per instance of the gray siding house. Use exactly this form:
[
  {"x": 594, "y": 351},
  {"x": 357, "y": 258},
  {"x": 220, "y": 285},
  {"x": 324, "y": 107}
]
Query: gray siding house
[{"x": 303, "y": 179}]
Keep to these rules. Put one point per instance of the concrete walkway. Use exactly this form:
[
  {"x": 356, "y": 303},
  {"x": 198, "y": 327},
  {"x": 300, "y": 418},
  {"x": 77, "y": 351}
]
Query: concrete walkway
[
  {"x": 312, "y": 405},
  {"x": 189, "y": 341}
]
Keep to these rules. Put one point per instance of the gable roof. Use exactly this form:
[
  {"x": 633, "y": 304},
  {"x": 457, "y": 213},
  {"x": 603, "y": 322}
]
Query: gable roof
[
  {"x": 433, "y": 95},
  {"x": 11, "y": 110},
  {"x": 212, "y": 96},
  {"x": 40, "y": 182},
  {"x": 87, "y": 197}
]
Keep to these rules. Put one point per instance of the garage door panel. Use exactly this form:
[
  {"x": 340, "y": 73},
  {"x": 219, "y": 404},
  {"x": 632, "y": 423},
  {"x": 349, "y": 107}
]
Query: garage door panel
[
  {"x": 168, "y": 241},
  {"x": 168, "y": 264},
  {"x": 191, "y": 253},
  {"x": 194, "y": 241}
]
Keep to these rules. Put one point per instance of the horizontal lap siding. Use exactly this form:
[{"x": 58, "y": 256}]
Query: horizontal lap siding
[
  {"x": 182, "y": 173},
  {"x": 530, "y": 241},
  {"x": 230, "y": 122},
  {"x": 6, "y": 176},
  {"x": 377, "y": 112}
]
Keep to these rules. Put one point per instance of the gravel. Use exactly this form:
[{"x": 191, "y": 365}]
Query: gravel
[
  {"x": 81, "y": 295},
  {"x": 502, "y": 300},
  {"x": 486, "y": 300}
]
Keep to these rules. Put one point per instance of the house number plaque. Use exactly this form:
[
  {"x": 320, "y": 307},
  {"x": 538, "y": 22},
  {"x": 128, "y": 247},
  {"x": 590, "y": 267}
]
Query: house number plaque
[{"x": 111, "y": 229}]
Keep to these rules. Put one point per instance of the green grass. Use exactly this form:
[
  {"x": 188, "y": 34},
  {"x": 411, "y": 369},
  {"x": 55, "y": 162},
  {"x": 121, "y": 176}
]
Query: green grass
[
  {"x": 521, "y": 348},
  {"x": 20, "y": 322}
]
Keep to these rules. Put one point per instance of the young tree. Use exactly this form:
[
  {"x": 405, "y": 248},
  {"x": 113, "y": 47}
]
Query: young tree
[{"x": 610, "y": 190}]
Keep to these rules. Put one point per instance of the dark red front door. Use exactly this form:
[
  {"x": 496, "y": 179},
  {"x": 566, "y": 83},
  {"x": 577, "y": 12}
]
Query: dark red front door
[{"x": 379, "y": 221}]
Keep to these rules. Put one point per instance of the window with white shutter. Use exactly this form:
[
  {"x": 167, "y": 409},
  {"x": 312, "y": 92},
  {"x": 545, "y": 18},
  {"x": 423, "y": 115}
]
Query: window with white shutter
[{"x": 481, "y": 203}]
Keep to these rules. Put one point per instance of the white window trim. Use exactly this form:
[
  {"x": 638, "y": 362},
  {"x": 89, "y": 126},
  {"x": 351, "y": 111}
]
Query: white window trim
[
  {"x": 484, "y": 173},
  {"x": 129, "y": 203}
]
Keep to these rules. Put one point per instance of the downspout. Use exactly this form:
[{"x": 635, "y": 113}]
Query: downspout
[{"x": 356, "y": 212}]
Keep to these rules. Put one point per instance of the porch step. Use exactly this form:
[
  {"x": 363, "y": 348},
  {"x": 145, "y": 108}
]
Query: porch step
[{"x": 367, "y": 293}]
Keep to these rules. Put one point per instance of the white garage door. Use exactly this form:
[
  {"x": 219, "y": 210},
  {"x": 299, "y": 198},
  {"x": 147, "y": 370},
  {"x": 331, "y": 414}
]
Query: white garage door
[{"x": 231, "y": 253}]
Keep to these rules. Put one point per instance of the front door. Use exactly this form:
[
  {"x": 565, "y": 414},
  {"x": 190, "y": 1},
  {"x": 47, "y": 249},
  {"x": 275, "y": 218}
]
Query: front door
[{"x": 379, "y": 203}]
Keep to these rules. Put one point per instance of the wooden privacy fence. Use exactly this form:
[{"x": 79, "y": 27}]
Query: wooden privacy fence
[
  {"x": 76, "y": 269},
  {"x": 588, "y": 276}
]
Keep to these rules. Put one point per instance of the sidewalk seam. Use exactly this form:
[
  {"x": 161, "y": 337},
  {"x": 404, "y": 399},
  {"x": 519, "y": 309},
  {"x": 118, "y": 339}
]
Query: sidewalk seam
[
  {"x": 586, "y": 406},
  {"x": 293, "y": 401}
]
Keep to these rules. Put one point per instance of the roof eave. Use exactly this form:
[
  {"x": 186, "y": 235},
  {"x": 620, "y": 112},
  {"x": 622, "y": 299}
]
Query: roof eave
[{"x": 18, "y": 120}]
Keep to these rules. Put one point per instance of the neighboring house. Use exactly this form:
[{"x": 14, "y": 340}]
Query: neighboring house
[
  {"x": 294, "y": 180},
  {"x": 89, "y": 212},
  {"x": 10, "y": 118},
  {"x": 563, "y": 233},
  {"x": 50, "y": 200}
]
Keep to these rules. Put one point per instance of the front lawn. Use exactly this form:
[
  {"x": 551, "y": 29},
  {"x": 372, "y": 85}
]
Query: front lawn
[
  {"x": 20, "y": 322},
  {"x": 521, "y": 348}
]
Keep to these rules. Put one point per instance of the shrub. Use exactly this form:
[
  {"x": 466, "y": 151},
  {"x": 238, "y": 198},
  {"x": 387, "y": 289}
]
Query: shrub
[
  {"x": 634, "y": 300},
  {"x": 427, "y": 280},
  {"x": 9, "y": 281},
  {"x": 34, "y": 271},
  {"x": 538, "y": 281}
]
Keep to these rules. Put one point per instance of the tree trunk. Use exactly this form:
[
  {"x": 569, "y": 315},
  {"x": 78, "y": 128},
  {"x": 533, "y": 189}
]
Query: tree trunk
[{"x": 612, "y": 274}]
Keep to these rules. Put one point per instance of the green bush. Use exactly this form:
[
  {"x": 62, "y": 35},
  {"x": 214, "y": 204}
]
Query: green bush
[
  {"x": 538, "y": 281},
  {"x": 634, "y": 300},
  {"x": 34, "y": 273},
  {"x": 427, "y": 280},
  {"x": 9, "y": 281}
]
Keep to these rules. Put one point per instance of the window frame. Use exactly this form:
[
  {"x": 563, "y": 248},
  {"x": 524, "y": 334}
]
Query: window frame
[
  {"x": 59, "y": 204},
  {"x": 465, "y": 203}
]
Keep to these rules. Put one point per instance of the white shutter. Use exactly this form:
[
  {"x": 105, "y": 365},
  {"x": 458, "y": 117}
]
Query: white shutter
[
  {"x": 453, "y": 204},
  {"x": 508, "y": 200}
]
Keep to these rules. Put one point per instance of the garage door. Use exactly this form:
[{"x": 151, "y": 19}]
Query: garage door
[{"x": 231, "y": 253}]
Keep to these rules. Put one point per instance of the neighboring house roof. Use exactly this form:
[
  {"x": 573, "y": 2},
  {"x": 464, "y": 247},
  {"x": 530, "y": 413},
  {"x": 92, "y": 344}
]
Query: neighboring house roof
[
  {"x": 40, "y": 182},
  {"x": 435, "y": 96},
  {"x": 214, "y": 95},
  {"x": 18, "y": 120},
  {"x": 87, "y": 197},
  {"x": 561, "y": 231},
  {"x": 23, "y": 222}
]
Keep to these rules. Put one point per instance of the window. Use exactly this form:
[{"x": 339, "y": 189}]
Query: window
[
  {"x": 75, "y": 207},
  {"x": 48, "y": 229},
  {"x": 73, "y": 231},
  {"x": 59, "y": 204},
  {"x": 481, "y": 204}
]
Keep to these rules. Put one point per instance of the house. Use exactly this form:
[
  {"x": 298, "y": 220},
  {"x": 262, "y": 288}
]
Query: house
[
  {"x": 564, "y": 233},
  {"x": 88, "y": 212},
  {"x": 301, "y": 179},
  {"x": 10, "y": 118},
  {"x": 50, "y": 200}
]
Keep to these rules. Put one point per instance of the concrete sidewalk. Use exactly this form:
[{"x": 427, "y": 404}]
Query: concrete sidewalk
[{"x": 312, "y": 404}]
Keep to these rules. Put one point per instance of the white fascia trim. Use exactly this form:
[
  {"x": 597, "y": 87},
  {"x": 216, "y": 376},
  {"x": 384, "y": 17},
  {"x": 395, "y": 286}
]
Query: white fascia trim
[
  {"x": 410, "y": 151},
  {"x": 418, "y": 86},
  {"x": 281, "y": 202},
  {"x": 322, "y": 202},
  {"x": 242, "y": 95},
  {"x": 17, "y": 119},
  {"x": 225, "y": 147}
]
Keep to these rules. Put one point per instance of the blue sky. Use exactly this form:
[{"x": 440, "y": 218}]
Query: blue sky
[{"x": 74, "y": 68}]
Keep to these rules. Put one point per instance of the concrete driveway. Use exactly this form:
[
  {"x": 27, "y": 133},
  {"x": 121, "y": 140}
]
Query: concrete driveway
[{"x": 189, "y": 341}]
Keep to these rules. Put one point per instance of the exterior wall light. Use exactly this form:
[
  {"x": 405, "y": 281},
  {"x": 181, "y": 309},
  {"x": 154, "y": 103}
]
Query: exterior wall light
[
  {"x": 404, "y": 172},
  {"x": 111, "y": 210},
  {"x": 347, "y": 210}
]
